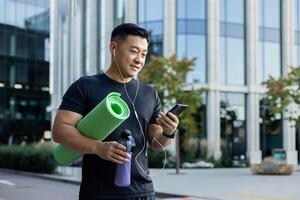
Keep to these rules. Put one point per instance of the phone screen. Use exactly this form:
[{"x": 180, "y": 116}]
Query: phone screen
[{"x": 178, "y": 109}]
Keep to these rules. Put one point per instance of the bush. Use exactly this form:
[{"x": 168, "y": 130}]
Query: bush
[
  {"x": 28, "y": 158},
  {"x": 156, "y": 158}
]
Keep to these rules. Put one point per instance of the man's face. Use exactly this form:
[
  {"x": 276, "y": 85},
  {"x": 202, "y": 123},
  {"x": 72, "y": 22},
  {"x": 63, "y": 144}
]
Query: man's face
[{"x": 131, "y": 55}]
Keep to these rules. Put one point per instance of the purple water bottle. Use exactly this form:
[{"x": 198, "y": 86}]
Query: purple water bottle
[{"x": 123, "y": 171}]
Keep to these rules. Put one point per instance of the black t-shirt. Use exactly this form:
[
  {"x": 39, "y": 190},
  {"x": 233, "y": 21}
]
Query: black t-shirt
[{"x": 98, "y": 174}]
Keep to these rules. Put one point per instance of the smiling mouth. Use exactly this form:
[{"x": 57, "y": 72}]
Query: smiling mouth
[{"x": 135, "y": 67}]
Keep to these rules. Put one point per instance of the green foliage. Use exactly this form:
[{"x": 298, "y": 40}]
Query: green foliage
[
  {"x": 156, "y": 159},
  {"x": 167, "y": 75},
  {"x": 28, "y": 158},
  {"x": 284, "y": 92}
]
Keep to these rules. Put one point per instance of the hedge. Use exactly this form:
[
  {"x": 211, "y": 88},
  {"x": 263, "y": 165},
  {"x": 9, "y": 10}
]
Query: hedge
[{"x": 28, "y": 158}]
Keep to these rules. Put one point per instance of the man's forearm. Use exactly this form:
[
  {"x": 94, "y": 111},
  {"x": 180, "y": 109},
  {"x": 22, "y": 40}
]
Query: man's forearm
[
  {"x": 159, "y": 141},
  {"x": 71, "y": 138}
]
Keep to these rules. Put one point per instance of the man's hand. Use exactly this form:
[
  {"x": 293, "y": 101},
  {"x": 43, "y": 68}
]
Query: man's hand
[
  {"x": 168, "y": 122},
  {"x": 112, "y": 151}
]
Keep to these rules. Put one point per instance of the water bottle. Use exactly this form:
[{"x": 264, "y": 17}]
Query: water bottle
[{"x": 123, "y": 171}]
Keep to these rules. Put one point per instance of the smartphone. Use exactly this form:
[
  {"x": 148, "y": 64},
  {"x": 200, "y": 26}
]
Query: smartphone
[{"x": 178, "y": 108}]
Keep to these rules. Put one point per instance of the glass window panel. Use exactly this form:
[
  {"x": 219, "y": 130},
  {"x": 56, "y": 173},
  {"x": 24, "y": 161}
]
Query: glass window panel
[
  {"x": 222, "y": 60},
  {"x": 196, "y": 27},
  {"x": 271, "y": 34},
  {"x": 2, "y": 13},
  {"x": 236, "y": 66},
  {"x": 181, "y": 46},
  {"x": 235, "y": 30},
  {"x": 196, "y": 49},
  {"x": 181, "y": 26},
  {"x": 295, "y": 54},
  {"x": 261, "y": 13},
  {"x": 296, "y": 14},
  {"x": 235, "y": 11},
  {"x": 271, "y": 13},
  {"x": 223, "y": 10},
  {"x": 10, "y": 12},
  {"x": 196, "y": 9},
  {"x": 141, "y": 11},
  {"x": 261, "y": 33},
  {"x": 156, "y": 28},
  {"x": 272, "y": 60},
  {"x": 261, "y": 61},
  {"x": 223, "y": 28},
  {"x": 21, "y": 10},
  {"x": 181, "y": 7},
  {"x": 157, "y": 6},
  {"x": 235, "y": 102}
]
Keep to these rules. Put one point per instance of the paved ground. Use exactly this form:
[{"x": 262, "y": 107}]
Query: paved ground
[
  {"x": 216, "y": 184},
  {"x": 228, "y": 184}
]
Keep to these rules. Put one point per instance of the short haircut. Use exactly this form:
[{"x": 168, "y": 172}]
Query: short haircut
[{"x": 122, "y": 31}]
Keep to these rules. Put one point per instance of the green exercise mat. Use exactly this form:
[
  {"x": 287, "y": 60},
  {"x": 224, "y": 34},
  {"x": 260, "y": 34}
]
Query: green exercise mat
[{"x": 97, "y": 124}]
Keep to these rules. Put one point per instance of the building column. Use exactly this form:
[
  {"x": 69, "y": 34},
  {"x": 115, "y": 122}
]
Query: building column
[
  {"x": 169, "y": 41},
  {"x": 108, "y": 27},
  {"x": 213, "y": 95},
  {"x": 252, "y": 50},
  {"x": 131, "y": 11},
  {"x": 91, "y": 37},
  {"x": 289, "y": 131}
]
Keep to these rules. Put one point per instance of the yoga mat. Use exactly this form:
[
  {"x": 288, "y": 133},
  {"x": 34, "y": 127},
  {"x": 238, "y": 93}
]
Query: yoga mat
[{"x": 97, "y": 125}]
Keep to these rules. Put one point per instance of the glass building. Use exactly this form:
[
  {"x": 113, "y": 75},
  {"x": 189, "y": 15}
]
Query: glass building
[
  {"x": 238, "y": 45},
  {"x": 24, "y": 70}
]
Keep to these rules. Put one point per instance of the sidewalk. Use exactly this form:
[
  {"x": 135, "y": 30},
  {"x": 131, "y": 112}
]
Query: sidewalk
[{"x": 211, "y": 184}]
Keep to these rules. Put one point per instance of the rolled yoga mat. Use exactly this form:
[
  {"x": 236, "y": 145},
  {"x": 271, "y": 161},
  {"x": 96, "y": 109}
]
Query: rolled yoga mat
[{"x": 97, "y": 125}]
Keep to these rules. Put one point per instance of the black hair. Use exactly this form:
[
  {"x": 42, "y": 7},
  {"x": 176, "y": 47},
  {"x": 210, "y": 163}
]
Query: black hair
[{"x": 123, "y": 30}]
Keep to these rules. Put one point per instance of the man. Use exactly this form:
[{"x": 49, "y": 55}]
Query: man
[{"x": 129, "y": 47}]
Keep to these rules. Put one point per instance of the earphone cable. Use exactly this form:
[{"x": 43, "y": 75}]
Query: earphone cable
[{"x": 141, "y": 128}]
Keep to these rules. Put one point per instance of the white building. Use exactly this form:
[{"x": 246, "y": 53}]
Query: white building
[{"x": 238, "y": 44}]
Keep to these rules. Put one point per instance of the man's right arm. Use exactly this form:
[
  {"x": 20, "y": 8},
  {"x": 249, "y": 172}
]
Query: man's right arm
[{"x": 65, "y": 133}]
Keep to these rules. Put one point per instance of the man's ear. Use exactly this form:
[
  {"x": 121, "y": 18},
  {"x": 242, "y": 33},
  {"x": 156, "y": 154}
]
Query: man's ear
[{"x": 113, "y": 46}]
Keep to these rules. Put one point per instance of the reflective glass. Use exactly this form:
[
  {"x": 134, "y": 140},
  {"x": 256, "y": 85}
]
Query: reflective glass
[
  {"x": 181, "y": 46},
  {"x": 232, "y": 70},
  {"x": 295, "y": 55},
  {"x": 235, "y": 11},
  {"x": 2, "y": 13},
  {"x": 235, "y": 61},
  {"x": 261, "y": 61},
  {"x": 223, "y": 10},
  {"x": 191, "y": 27},
  {"x": 154, "y": 10},
  {"x": 181, "y": 8},
  {"x": 196, "y": 46},
  {"x": 233, "y": 129},
  {"x": 10, "y": 12},
  {"x": 296, "y": 14},
  {"x": 232, "y": 30},
  {"x": 271, "y": 60},
  {"x": 195, "y": 9},
  {"x": 141, "y": 11},
  {"x": 271, "y": 34},
  {"x": 191, "y": 9},
  {"x": 232, "y": 11},
  {"x": 156, "y": 28},
  {"x": 271, "y": 13},
  {"x": 222, "y": 60}
]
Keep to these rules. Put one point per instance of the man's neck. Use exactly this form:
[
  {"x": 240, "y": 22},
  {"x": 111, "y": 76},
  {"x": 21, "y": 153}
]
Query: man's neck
[{"x": 113, "y": 73}]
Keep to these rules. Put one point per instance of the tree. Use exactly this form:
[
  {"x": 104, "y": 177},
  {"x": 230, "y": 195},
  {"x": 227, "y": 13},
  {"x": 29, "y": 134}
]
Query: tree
[
  {"x": 168, "y": 75},
  {"x": 283, "y": 95}
]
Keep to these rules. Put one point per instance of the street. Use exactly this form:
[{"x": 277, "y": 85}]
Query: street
[
  {"x": 22, "y": 187},
  {"x": 19, "y": 187}
]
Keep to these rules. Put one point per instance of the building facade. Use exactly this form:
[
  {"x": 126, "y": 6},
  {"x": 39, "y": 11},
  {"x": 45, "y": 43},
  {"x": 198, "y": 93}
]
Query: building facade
[
  {"x": 24, "y": 65},
  {"x": 238, "y": 45}
]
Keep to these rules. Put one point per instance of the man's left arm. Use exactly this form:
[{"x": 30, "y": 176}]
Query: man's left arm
[{"x": 162, "y": 133}]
